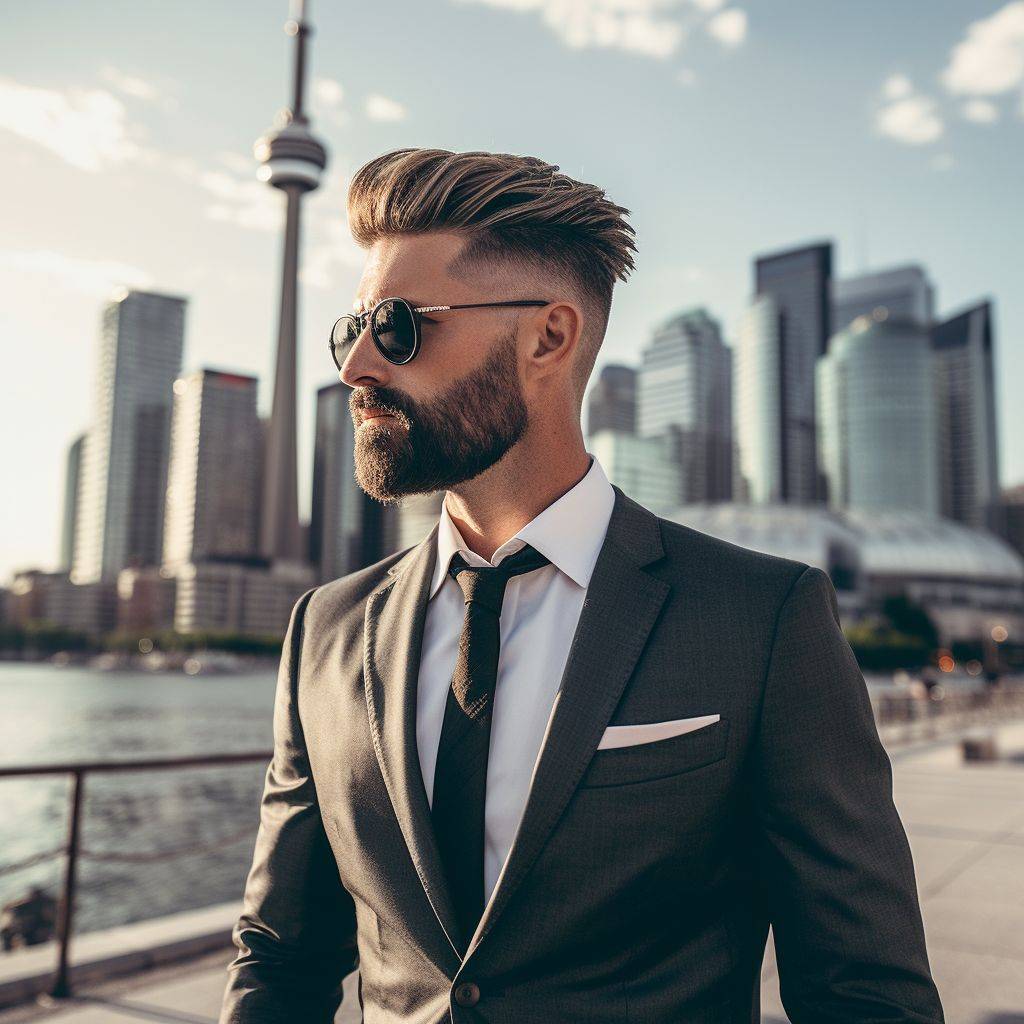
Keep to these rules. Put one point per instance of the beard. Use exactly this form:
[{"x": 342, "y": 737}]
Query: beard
[{"x": 433, "y": 446}]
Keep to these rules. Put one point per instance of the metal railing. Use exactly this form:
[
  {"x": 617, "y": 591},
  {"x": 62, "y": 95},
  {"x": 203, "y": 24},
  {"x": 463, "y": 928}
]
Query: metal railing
[
  {"x": 909, "y": 717},
  {"x": 61, "y": 987}
]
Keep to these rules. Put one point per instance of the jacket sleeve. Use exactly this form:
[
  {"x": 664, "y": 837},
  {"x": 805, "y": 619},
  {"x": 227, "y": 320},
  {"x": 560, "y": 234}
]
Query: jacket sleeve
[
  {"x": 833, "y": 859},
  {"x": 296, "y": 936}
]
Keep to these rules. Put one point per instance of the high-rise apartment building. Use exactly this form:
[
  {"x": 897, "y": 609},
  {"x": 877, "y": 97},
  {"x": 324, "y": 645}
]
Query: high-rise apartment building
[
  {"x": 124, "y": 463},
  {"x": 69, "y": 517},
  {"x": 212, "y": 502},
  {"x": 611, "y": 402},
  {"x": 346, "y": 530}
]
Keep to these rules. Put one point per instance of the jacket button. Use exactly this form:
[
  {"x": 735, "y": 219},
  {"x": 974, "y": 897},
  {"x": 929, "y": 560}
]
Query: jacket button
[{"x": 467, "y": 993}]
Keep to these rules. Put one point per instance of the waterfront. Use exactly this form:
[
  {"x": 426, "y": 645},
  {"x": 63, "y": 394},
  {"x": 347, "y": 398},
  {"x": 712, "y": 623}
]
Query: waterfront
[{"x": 75, "y": 713}]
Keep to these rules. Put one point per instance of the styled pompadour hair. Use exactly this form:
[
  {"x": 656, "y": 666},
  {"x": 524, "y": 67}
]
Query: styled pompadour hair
[{"x": 516, "y": 210}]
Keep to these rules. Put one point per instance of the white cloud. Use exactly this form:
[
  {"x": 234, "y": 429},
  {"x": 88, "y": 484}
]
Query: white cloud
[
  {"x": 329, "y": 95},
  {"x": 128, "y": 84},
  {"x": 686, "y": 76},
  {"x": 381, "y": 108},
  {"x": 897, "y": 86},
  {"x": 331, "y": 252},
  {"x": 729, "y": 27},
  {"x": 246, "y": 203},
  {"x": 85, "y": 127},
  {"x": 990, "y": 59},
  {"x": 649, "y": 28},
  {"x": 87, "y": 277},
  {"x": 239, "y": 198},
  {"x": 136, "y": 88},
  {"x": 913, "y": 120},
  {"x": 328, "y": 91},
  {"x": 980, "y": 111},
  {"x": 645, "y": 27},
  {"x": 907, "y": 116},
  {"x": 241, "y": 165},
  {"x": 942, "y": 162}
]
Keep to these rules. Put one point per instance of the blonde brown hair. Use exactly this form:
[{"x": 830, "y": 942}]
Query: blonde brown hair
[{"x": 516, "y": 210}]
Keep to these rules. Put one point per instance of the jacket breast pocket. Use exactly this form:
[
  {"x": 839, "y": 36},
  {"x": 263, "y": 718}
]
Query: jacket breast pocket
[{"x": 659, "y": 759}]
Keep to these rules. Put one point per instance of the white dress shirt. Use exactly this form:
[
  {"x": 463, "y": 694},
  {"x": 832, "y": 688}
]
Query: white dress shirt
[{"x": 538, "y": 620}]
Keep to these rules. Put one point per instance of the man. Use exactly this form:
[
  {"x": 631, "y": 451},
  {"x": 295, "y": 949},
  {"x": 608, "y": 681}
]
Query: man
[{"x": 563, "y": 760}]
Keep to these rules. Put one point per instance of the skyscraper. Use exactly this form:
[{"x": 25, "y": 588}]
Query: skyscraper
[
  {"x": 611, "y": 402},
  {"x": 876, "y": 413},
  {"x": 72, "y": 475},
  {"x": 758, "y": 402},
  {"x": 346, "y": 530},
  {"x": 684, "y": 391},
  {"x": 903, "y": 292},
  {"x": 124, "y": 463},
  {"x": 292, "y": 159},
  {"x": 212, "y": 500},
  {"x": 799, "y": 281},
  {"x": 969, "y": 445}
]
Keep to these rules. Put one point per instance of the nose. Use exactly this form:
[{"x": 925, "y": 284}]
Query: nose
[{"x": 364, "y": 364}]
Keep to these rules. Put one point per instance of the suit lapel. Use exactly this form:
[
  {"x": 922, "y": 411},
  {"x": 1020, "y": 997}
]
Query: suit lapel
[
  {"x": 619, "y": 611},
  {"x": 621, "y": 606},
  {"x": 395, "y": 616}
]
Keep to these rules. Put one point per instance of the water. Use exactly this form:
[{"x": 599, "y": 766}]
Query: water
[{"x": 52, "y": 714}]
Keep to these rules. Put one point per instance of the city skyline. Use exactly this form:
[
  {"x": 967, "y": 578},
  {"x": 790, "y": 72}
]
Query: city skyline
[{"x": 188, "y": 216}]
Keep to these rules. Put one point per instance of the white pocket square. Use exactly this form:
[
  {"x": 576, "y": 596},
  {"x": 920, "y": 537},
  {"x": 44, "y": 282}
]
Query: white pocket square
[{"x": 630, "y": 735}]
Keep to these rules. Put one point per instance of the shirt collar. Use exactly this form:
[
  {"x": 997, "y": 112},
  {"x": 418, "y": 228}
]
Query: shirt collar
[{"x": 569, "y": 532}]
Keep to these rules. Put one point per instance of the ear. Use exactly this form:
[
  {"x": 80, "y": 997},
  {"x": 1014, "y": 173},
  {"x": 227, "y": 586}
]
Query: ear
[{"x": 559, "y": 328}]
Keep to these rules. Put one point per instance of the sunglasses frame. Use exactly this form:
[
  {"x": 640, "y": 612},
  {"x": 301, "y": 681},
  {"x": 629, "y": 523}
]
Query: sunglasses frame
[{"x": 415, "y": 312}]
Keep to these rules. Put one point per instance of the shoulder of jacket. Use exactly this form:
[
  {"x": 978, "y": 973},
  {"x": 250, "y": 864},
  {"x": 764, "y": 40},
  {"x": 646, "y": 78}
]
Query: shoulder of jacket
[
  {"x": 694, "y": 550},
  {"x": 353, "y": 588}
]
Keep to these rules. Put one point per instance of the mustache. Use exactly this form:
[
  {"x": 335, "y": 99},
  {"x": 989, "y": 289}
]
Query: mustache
[{"x": 378, "y": 398}]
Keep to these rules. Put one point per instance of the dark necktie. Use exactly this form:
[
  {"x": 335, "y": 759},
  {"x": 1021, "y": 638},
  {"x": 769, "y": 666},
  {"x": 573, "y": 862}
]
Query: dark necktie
[{"x": 460, "y": 778}]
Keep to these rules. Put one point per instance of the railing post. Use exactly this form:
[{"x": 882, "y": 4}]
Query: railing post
[{"x": 62, "y": 982}]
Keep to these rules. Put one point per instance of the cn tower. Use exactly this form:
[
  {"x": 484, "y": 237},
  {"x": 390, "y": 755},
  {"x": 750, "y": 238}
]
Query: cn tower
[{"x": 292, "y": 159}]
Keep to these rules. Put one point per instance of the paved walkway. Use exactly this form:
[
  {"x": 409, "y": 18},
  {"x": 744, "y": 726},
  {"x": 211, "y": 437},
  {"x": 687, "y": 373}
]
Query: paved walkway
[{"x": 966, "y": 828}]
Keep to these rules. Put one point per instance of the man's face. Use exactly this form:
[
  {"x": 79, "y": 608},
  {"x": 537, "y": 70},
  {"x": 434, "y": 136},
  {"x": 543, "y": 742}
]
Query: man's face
[{"x": 458, "y": 407}]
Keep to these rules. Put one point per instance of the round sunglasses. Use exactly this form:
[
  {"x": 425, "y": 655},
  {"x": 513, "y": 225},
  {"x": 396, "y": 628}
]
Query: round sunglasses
[{"x": 395, "y": 325}]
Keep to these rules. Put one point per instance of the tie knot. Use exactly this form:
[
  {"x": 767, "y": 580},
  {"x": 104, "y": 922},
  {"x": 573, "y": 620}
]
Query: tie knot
[{"x": 485, "y": 585}]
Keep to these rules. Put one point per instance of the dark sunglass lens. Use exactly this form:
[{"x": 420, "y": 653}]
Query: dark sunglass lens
[
  {"x": 395, "y": 330},
  {"x": 343, "y": 336}
]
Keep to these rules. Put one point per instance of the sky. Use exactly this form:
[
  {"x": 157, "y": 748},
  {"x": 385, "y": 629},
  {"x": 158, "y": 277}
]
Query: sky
[{"x": 728, "y": 129}]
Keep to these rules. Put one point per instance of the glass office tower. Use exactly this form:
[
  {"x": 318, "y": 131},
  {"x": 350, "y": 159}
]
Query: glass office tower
[
  {"x": 969, "y": 445},
  {"x": 800, "y": 283},
  {"x": 758, "y": 402},
  {"x": 903, "y": 292},
  {"x": 684, "y": 392},
  {"x": 877, "y": 422}
]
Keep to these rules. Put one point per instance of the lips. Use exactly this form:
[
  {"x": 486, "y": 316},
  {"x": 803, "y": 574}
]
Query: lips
[{"x": 372, "y": 413}]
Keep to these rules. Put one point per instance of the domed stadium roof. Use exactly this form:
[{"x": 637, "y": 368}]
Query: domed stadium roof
[
  {"x": 895, "y": 543},
  {"x": 907, "y": 544}
]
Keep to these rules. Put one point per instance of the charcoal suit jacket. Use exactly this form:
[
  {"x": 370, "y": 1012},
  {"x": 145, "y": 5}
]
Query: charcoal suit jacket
[{"x": 642, "y": 880}]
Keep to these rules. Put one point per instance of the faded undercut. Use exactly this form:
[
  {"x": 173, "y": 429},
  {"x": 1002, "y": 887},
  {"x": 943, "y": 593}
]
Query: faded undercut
[{"x": 516, "y": 210}]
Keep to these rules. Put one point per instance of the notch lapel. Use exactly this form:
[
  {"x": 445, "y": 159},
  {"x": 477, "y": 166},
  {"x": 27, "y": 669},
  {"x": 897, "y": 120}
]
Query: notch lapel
[
  {"x": 619, "y": 611},
  {"x": 393, "y": 636}
]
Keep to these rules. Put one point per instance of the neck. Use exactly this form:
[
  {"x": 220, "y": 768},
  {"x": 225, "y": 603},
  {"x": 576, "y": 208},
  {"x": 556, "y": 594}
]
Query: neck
[{"x": 499, "y": 502}]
